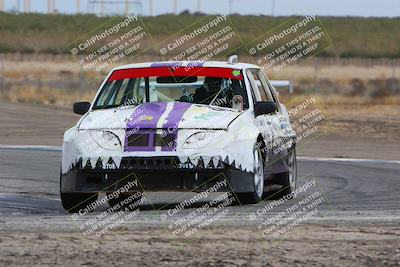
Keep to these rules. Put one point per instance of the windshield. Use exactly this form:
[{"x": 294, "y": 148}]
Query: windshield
[{"x": 121, "y": 90}]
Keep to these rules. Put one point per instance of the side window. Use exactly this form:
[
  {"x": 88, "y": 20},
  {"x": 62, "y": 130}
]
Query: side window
[
  {"x": 259, "y": 85},
  {"x": 268, "y": 87},
  {"x": 263, "y": 87},
  {"x": 254, "y": 89}
]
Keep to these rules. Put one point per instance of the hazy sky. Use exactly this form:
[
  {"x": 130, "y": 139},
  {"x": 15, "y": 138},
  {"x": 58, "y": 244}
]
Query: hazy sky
[{"x": 380, "y": 8}]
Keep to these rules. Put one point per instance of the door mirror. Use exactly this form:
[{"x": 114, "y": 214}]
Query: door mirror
[
  {"x": 81, "y": 107},
  {"x": 264, "y": 107}
]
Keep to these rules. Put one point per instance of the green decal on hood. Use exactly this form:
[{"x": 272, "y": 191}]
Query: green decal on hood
[{"x": 208, "y": 115}]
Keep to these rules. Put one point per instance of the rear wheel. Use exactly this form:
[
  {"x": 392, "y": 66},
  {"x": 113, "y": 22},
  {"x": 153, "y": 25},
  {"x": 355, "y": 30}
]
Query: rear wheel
[
  {"x": 288, "y": 179},
  {"x": 258, "y": 181},
  {"x": 74, "y": 202}
]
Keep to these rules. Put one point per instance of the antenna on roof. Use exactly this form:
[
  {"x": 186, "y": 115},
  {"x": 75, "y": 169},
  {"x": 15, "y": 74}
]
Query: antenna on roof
[{"x": 233, "y": 59}]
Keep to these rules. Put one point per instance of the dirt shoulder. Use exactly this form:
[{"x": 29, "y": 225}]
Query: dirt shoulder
[
  {"x": 305, "y": 245},
  {"x": 355, "y": 132}
]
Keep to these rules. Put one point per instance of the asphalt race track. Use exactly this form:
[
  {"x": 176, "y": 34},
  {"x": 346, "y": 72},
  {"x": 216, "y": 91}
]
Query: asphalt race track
[{"x": 352, "y": 189}]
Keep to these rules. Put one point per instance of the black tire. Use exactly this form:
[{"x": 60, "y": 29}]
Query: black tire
[
  {"x": 253, "y": 197},
  {"x": 284, "y": 179},
  {"x": 74, "y": 202}
]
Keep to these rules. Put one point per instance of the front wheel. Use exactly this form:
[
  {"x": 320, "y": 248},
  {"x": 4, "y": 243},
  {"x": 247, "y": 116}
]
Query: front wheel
[
  {"x": 74, "y": 202},
  {"x": 258, "y": 181}
]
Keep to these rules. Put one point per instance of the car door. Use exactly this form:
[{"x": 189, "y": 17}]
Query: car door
[{"x": 268, "y": 124}]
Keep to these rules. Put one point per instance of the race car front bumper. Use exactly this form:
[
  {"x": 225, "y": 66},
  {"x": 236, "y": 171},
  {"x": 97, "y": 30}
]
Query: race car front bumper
[{"x": 165, "y": 173}]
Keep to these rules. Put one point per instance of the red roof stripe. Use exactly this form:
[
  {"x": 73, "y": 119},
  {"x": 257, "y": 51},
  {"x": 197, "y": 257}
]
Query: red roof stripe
[{"x": 177, "y": 72}]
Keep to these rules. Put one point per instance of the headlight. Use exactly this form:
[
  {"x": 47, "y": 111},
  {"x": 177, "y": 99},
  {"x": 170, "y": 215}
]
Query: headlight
[
  {"x": 108, "y": 136},
  {"x": 106, "y": 139},
  {"x": 198, "y": 140}
]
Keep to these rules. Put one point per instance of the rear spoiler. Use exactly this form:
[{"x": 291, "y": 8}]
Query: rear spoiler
[
  {"x": 282, "y": 83},
  {"x": 277, "y": 84}
]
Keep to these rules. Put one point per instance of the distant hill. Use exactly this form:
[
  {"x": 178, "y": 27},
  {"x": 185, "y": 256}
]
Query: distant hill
[{"x": 352, "y": 37}]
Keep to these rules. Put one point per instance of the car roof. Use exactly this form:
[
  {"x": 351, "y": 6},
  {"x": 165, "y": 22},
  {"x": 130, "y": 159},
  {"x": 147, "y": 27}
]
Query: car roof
[{"x": 205, "y": 64}]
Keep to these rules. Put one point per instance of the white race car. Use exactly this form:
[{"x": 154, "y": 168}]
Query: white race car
[{"x": 179, "y": 126}]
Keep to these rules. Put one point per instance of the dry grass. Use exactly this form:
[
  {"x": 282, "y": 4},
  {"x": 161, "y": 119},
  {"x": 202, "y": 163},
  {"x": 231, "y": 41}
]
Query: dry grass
[
  {"x": 337, "y": 73},
  {"x": 337, "y": 89},
  {"x": 340, "y": 100},
  {"x": 297, "y": 73},
  {"x": 47, "y": 96}
]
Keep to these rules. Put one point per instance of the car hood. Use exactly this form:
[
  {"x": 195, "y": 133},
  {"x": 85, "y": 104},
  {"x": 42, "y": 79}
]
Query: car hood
[{"x": 160, "y": 115}]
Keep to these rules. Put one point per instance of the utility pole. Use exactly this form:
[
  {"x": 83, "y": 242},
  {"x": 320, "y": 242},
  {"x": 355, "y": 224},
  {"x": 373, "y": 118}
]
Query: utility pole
[
  {"x": 101, "y": 8},
  {"x": 27, "y": 6},
  {"x": 126, "y": 8},
  {"x": 273, "y": 8},
  {"x": 50, "y": 6},
  {"x": 151, "y": 7},
  {"x": 78, "y": 6},
  {"x": 1, "y": 5},
  {"x": 198, "y": 6},
  {"x": 175, "y": 7}
]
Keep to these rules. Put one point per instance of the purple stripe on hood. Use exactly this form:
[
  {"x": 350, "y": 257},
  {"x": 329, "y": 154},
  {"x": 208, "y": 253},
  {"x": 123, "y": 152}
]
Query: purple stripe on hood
[
  {"x": 144, "y": 121},
  {"x": 171, "y": 123}
]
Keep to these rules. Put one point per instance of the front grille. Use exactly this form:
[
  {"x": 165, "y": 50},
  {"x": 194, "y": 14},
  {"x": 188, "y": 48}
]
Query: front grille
[
  {"x": 149, "y": 139},
  {"x": 150, "y": 163},
  {"x": 147, "y": 163},
  {"x": 164, "y": 141},
  {"x": 165, "y": 163},
  {"x": 138, "y": 140}
]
